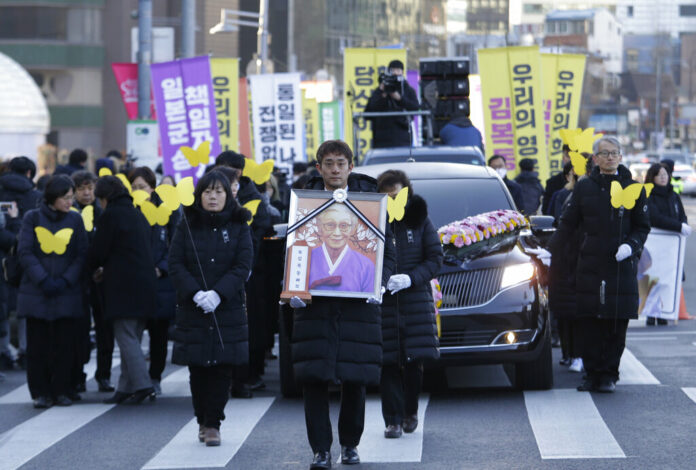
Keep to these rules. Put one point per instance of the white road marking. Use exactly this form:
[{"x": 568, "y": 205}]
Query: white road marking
[
  {"x": 21, "y": 394},
  {"x": 652, "y": 338},
  {"x": 633, "y": 372},
  {"x": 184, "y": 450},
  {"x": 176, "y": 384},
  {"x": 567, "y": 425},
  {"x": 690, "y": 392},
  {"x": 374, "y": 447},
  {"x": 28, "y": 439},
  {"x": 655, "y": 333}
]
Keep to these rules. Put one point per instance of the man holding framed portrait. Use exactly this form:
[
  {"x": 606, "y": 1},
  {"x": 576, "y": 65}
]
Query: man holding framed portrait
[{"x": 340, "y": 257}]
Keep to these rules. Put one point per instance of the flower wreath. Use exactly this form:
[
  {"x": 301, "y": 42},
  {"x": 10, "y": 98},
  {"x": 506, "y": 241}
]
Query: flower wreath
[{"x": 480, "y": 227}]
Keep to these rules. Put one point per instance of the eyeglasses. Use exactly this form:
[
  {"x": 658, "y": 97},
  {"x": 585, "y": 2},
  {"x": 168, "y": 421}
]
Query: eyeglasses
[
  {"x": 605, "y": 154},
  {"x": 331, "y": 227}
]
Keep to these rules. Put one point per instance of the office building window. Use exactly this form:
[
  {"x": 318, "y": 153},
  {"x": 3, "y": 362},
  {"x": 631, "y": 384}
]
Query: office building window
[
  {"x": 687, "y": 10},
  {"x": 47, "y": 23},
  {"x": 629, "y": 11}
]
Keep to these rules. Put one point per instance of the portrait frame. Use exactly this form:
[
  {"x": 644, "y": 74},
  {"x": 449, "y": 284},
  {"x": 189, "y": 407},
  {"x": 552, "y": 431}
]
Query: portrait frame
[{"x": 335, "y": 244}]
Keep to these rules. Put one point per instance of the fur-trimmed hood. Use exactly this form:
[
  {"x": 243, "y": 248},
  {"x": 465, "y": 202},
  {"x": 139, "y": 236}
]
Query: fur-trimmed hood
[{"x": 416, "y": 211}]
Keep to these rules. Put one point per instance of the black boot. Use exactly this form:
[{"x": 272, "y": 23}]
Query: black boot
[
  {"x": 140, "y": 395},
  {"x": 117, "y": 398}
]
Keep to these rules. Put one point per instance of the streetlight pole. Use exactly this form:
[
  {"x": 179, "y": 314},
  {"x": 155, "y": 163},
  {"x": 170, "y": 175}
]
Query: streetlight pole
[
  {"x": 262, "y": 37},
  {"x": 188, "y": 28},
  {"x": 144, "y": 57}
]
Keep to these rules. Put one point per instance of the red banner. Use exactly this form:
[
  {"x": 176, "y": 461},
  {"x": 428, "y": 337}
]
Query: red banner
[{"x": 127, "y": 79}]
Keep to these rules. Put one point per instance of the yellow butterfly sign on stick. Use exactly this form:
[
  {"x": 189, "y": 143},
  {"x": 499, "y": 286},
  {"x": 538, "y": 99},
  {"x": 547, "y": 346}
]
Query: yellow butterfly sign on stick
[
  {"x": 104, "y": 171},
  {"x": 50, "y": 242},
  {"x": 625, "y": 197},
  {"x": 396, "y": 206},
  {"x": 87, "y": 216},
  {"x": 155, "y": 215},
  {"x": 174, "y": 196},
  {"x": 253, "y": 207},
  {"x": 580, "y": 140},
  {"x": 139, "y": 196},
  {"x": 258, "y": 173},
  {"x": 579, "y": 163},
  {"x": 198, "y": 156}
]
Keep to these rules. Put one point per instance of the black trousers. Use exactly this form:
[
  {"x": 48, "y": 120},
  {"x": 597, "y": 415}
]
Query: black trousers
[
  {"x": 210, "y": 390},
  {"x": 571, "y": 342},
  {"x": 400, "y": 387},
  {"x": 603, "y": 342},
  {"x": 50, "y": 356},
  {"x": 257, "y": 325},
  {"x": 82, "y": 349},
  {"x": 158, "y": 329},
  {"x": 104, "y": 332},
  {"x": 351, "y": 418}
]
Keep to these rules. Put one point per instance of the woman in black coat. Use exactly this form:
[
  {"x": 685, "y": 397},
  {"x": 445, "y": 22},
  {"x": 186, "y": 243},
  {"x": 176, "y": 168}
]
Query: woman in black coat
[
  {"x": 666, "y": 209},
  {"x": 122, "y": 258},
  {"x": 52, "y": 249},
  {"x": 144, "y": 179},
  {"x": 409, "y": 329},
  {"x": 210, "y": 260}
]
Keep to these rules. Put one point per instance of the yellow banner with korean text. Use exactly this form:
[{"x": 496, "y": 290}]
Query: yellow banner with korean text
[
  {"x": 562, "y": 84},
  {"x": 225, "y": 74},
  {"x": 310, "y": 115},
  {"x": 361, "y": 69},
  {"x": 511, "y": 86}
]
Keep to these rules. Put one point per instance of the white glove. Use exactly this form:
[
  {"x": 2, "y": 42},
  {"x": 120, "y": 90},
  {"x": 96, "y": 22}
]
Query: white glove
[
  {"x": 377, "y": 300},
  {"x": 198, "y": 297},
  {"x": 686, "y": 230},
  {"x": 623, "y": 252},
  {"x": 398, "y": 282},
  {"x": 543, "y": 255},
  {"x": 210, "y": 301},
  {"x": 296, "y": 302}
]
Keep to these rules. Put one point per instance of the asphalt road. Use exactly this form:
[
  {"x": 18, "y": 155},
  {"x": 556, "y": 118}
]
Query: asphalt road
[{"x": 480, "y": 422}]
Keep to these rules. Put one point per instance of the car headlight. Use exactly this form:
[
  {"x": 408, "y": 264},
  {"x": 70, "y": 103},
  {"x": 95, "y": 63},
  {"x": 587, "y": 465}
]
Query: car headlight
[{"x": 517, "y": 273}]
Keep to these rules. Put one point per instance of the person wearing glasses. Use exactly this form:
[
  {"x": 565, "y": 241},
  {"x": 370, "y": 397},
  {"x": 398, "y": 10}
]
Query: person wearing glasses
[
  {"x": 605, "y": 277},
  {"x": 334, "y": 264}
]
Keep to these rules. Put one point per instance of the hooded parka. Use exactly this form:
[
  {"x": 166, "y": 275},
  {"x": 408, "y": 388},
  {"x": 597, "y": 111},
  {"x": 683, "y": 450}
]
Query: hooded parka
[
  {"x": 340, "y": 339},
  {"x": 419, "y": 255},
  {"x": 605, "y": 288},
  {"x": 224, "y": 248}
]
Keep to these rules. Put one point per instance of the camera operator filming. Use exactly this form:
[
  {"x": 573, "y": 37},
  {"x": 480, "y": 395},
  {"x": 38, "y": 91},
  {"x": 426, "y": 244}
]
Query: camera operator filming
[{"x": 394, "y": 94}]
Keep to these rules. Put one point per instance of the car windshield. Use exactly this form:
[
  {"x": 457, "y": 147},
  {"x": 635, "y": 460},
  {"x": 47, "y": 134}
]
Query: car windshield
[
  {"x": 447, "y": 158},
  {"x": 453, "y": 199}
]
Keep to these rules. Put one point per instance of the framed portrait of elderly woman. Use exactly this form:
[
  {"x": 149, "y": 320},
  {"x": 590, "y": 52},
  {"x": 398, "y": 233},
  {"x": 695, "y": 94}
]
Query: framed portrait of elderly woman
[{"x": 335, "y": 244}]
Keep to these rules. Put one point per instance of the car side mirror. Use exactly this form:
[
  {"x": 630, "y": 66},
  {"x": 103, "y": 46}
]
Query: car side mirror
[{"x": 542, "y": 227}]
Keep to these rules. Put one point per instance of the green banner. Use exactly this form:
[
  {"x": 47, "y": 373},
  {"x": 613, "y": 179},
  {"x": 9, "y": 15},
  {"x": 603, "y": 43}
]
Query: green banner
[{"x": 330, "y": 120}]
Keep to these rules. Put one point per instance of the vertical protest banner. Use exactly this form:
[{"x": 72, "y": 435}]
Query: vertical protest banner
[
  {"x": 126, "y": 75},
  {"x": 512, "y": 101},
  {"x": 225, "y": 73},
  {"x": 310, "y": 114},
  {"x": 276, "y": 110},
  {"x": 563, "y": 77},
  {"x": 185, "y": 103},
  {"x": 361, "y": 69},
  {"x": 330, "y": 120}
]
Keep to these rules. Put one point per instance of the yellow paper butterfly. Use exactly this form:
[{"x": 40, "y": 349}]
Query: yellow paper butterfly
[
  {"x": 579, "y": 163},
  {"x": 396, "y": 207},
  {"x": 252, "y": 206},
  {"x": 258, "y": 173},
  {"x": 199, "y": 156},
  {"x": 105, "y": 171},
  {"x": 174, "y": 196},
  {"x": 648, "y": 189},
  {"x": 139, "y": 196},
  {"x": 125, "y": 182},
  {"x": 625, "y": 197},
  {"x": 87, "y": 216},
  {"x": 53, "y": 243},
  {"x": 155, "y": 215}
]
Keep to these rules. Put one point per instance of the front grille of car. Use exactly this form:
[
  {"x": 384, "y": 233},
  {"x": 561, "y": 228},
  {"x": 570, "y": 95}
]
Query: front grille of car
[
  {"x": 469, "y": 288},
  {"x": 467, "y": 338}
]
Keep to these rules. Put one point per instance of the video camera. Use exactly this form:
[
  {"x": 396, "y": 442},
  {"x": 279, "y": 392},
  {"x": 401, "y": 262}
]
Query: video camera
[{"x": 391, "y": 82}]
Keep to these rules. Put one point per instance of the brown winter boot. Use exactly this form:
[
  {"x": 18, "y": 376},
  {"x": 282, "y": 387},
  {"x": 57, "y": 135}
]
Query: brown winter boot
[{"x": 212, "y": 437}]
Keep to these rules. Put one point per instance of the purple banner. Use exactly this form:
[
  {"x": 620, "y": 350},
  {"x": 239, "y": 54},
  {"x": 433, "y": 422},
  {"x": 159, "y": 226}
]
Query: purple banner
[{"x": 183, "y": 92}]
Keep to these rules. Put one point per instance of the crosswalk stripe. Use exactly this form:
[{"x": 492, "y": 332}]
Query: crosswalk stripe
[
  {"x": 374, "y": 447},
  {"x": 184, "y": 450},
  {"x": 21, "y": 394},
  {"x": 28, "y": 439},
  {"x": 633, "y": 372},
  {"x": 176, "y": 384},
  {"x": 690, "y": 392},
  {"x": 567, "y": 425}
]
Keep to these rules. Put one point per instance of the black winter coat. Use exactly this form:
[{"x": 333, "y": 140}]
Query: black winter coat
[
  {"x": 337, "y": 339},
  {"x": 604, "y": 288},
  {"x": 37, "y": 266},
  {"x": 17, "y": 187},
  {"x": 666, "y": 209},
  {"x": 531, "y": 192},
  {"x": 553, "y": 184},
  {"x": 419, "y": 255},
  {"x": 261, "y": 223},
  {"x": 122, "y": 247},
  {"x": 391, "y": 131},
  {"x": 515, "y": 191},
  {"x": 223, "y": 246},
  {"x": 564, "y": 260}
]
